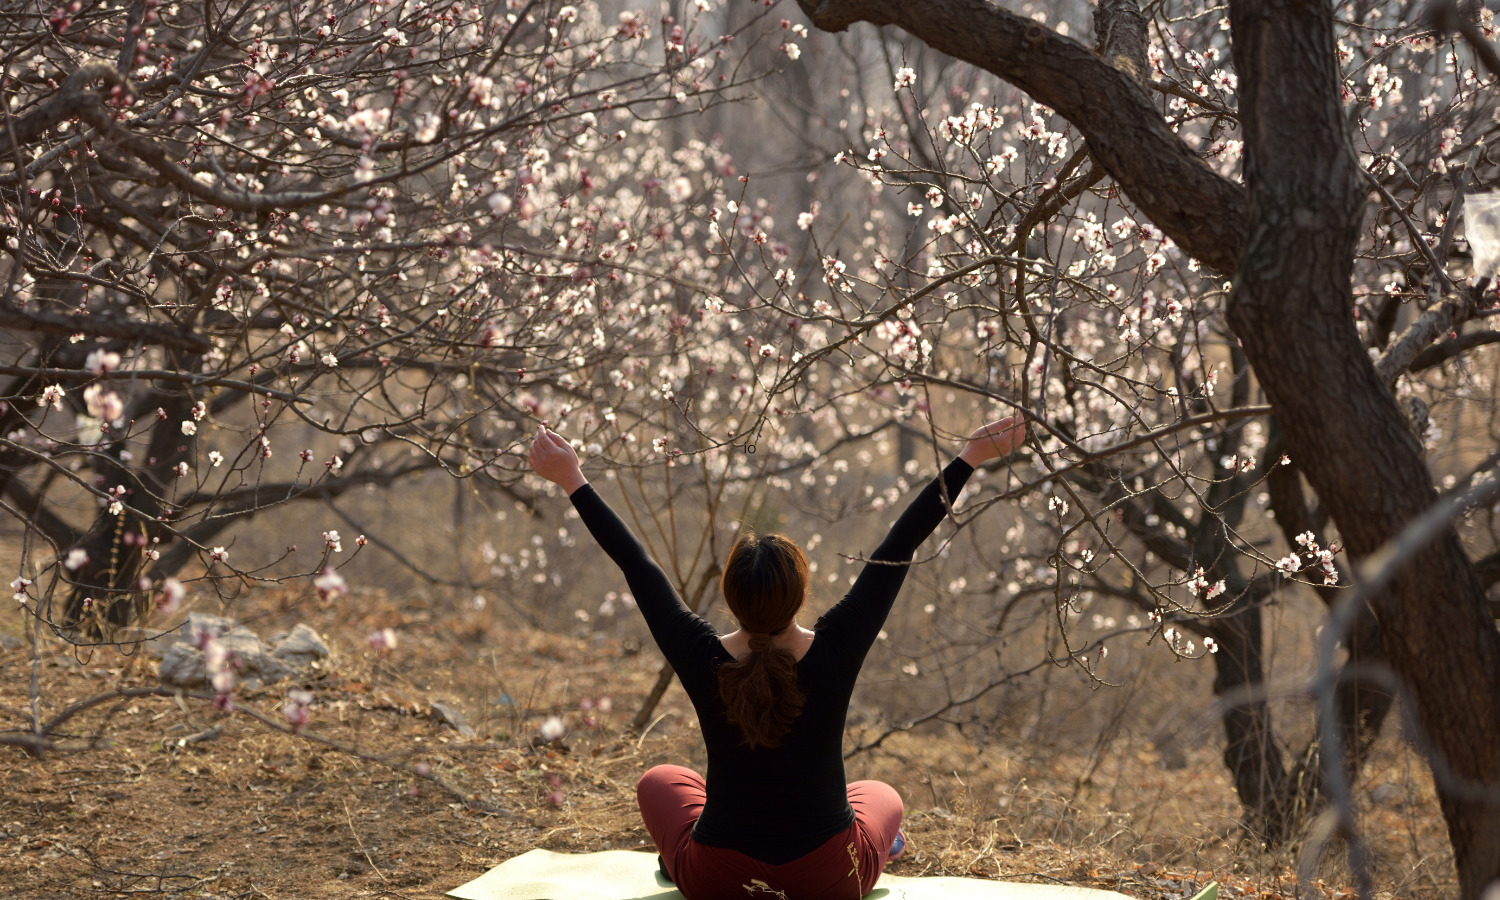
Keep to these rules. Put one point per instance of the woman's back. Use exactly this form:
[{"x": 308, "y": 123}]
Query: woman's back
[{"x": 777, "y": 803}]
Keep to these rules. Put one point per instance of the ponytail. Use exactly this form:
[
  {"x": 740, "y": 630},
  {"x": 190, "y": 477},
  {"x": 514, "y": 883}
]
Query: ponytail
[
  {"x": 761, "y": 695},
  {"x": 764, "y": 584}
]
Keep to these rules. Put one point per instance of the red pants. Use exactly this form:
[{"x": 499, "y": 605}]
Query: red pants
[{"x": 845, "y": 867}]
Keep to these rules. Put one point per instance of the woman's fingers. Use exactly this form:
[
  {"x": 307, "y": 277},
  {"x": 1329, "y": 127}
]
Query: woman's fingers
[
  {"x": 1001, "y": 436},
  {"x": 995, "y": 429},
  {"x": 548, "y": 447},
  {"x": 550, "y": 453},
  {"x": 1015, "y": 432}
]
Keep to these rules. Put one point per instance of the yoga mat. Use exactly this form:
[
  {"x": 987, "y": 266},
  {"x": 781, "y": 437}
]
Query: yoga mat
[{"x": 630, "y": 875}]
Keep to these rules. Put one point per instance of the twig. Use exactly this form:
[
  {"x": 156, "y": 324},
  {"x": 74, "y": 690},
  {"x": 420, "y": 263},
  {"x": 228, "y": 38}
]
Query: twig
[
  {"x": 647, "y": 730},
  {"x": 361, "y": 844},
  {"x": 1446, "y": 18}
]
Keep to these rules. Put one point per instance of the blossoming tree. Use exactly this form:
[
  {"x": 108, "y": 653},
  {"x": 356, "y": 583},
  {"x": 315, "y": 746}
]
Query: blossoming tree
[
  {"x": 260, "y": 257},
  {"x": 1313, "y": 294}
]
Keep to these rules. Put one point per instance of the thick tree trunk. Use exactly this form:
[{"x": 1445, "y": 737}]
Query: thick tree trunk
[
  {"x": 1292, "y": 310},
  {"x": 1360, "y": 705}
]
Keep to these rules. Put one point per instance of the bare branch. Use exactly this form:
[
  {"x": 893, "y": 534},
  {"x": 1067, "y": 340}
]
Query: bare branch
[{"x": 1201, "y": 210}]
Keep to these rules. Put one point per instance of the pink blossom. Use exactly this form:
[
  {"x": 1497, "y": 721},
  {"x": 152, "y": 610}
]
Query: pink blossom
[
  {"x": 382, "y": 641},
  {"x": 296, "y": 707},
  {"x": 52, "y": 395},
  {"x": 170, "y": 598},
  {"x": 330, "y": 585},
  {"x": 103, "y": 404},
  {"x": 101, "y": 361}
]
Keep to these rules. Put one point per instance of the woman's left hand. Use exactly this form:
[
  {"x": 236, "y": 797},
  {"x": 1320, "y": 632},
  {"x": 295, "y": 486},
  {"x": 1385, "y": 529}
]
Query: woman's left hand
[
  {"x": 553, "y": 458},
  {"x": 994, "y": 440}
]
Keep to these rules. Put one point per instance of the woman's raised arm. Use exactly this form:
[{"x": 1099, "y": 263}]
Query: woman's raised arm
[
  {"x": 859, "y": 616},
  {"x": 672, "y": 624},
  {"x": 927, "y": 510}
]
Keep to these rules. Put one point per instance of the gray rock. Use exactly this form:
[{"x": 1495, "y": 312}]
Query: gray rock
[
  {"x": 255, "y": 666},
  {"x": 181, "y": 666},
  {"x": 197, "y": 621},
  {"x": 301, "y": 648},
  {"x": 254, "y": 663}
]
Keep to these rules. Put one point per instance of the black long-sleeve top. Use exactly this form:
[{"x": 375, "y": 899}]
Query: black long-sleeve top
[{"x": 775, "y": 804}]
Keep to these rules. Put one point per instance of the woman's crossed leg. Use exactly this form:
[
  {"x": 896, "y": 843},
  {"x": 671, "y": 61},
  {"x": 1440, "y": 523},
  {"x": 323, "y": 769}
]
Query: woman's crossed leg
[{"x": 848, "y": 864}]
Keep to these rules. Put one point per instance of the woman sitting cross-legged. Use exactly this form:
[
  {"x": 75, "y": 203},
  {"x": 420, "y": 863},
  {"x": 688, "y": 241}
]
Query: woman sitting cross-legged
[{"x": 774, "y": 814}]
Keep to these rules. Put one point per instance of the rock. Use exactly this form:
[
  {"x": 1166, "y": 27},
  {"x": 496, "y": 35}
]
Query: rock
[
  {"x": 181, "y": 666},
  {"x": 197, "y": 621},
  {"x": 8, "y": 642},
  {"x": 254, "y": 663},
  {"x": 302, "y": 647},
  {"x": 253, "y": 669}
]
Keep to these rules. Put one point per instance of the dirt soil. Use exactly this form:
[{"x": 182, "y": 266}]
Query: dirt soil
[{"x": 381, "y": 794}]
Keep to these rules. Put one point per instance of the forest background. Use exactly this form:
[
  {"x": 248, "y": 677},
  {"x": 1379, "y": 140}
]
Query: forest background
[{"x": 288, "y": 287}]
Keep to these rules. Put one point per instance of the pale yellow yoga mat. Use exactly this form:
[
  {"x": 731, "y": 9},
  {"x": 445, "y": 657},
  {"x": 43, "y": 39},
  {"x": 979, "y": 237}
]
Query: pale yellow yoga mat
[{"x": 629, "y": 875}]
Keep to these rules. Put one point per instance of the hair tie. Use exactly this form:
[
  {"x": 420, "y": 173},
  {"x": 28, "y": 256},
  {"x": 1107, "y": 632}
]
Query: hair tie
[{"x": 760, "y": 641}]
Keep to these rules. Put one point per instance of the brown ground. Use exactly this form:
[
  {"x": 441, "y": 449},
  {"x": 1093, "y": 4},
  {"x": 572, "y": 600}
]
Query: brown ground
[{"x": 256, "y": 813}]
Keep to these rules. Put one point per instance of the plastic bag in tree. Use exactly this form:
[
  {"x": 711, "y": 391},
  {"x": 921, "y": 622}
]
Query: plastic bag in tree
[{"x": 1482, "y": 228}]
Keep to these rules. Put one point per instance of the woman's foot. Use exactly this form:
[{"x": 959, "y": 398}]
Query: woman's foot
[{"x": 898, "y": 847}]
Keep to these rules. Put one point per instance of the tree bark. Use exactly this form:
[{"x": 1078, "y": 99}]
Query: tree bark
[
  {"x": 117, "y": 544},
  {"x": 1361, "y": 705},
  {"x": 1292, "y": 309}
]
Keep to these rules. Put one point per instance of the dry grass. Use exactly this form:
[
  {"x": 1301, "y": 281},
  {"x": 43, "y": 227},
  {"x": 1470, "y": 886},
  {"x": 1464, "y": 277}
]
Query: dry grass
[{"x": 257, "y": 813}]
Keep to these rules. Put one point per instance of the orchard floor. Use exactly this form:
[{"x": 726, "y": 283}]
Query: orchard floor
[{"x": 161, "y": 804}]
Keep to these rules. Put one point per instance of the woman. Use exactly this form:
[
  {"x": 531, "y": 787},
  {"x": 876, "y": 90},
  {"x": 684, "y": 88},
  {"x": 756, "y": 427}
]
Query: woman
[{"x": 774, "y": 815}]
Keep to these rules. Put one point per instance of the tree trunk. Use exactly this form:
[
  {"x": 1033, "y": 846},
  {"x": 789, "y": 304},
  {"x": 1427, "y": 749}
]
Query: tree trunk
[
  {"x": 1359, "y": 704},
  {"x": 1292, "y": 309},
  {"x": 1250, "y": 750},
  {"x": 117, "y": 544}
]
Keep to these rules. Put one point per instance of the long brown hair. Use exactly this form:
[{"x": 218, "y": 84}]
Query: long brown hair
[{"x": 764, "y": 584}]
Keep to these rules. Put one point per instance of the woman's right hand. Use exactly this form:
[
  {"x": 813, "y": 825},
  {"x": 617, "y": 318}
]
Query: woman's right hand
[
  {"x": 553, "y": 458},
  {"x": 994, "y": 440}
]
